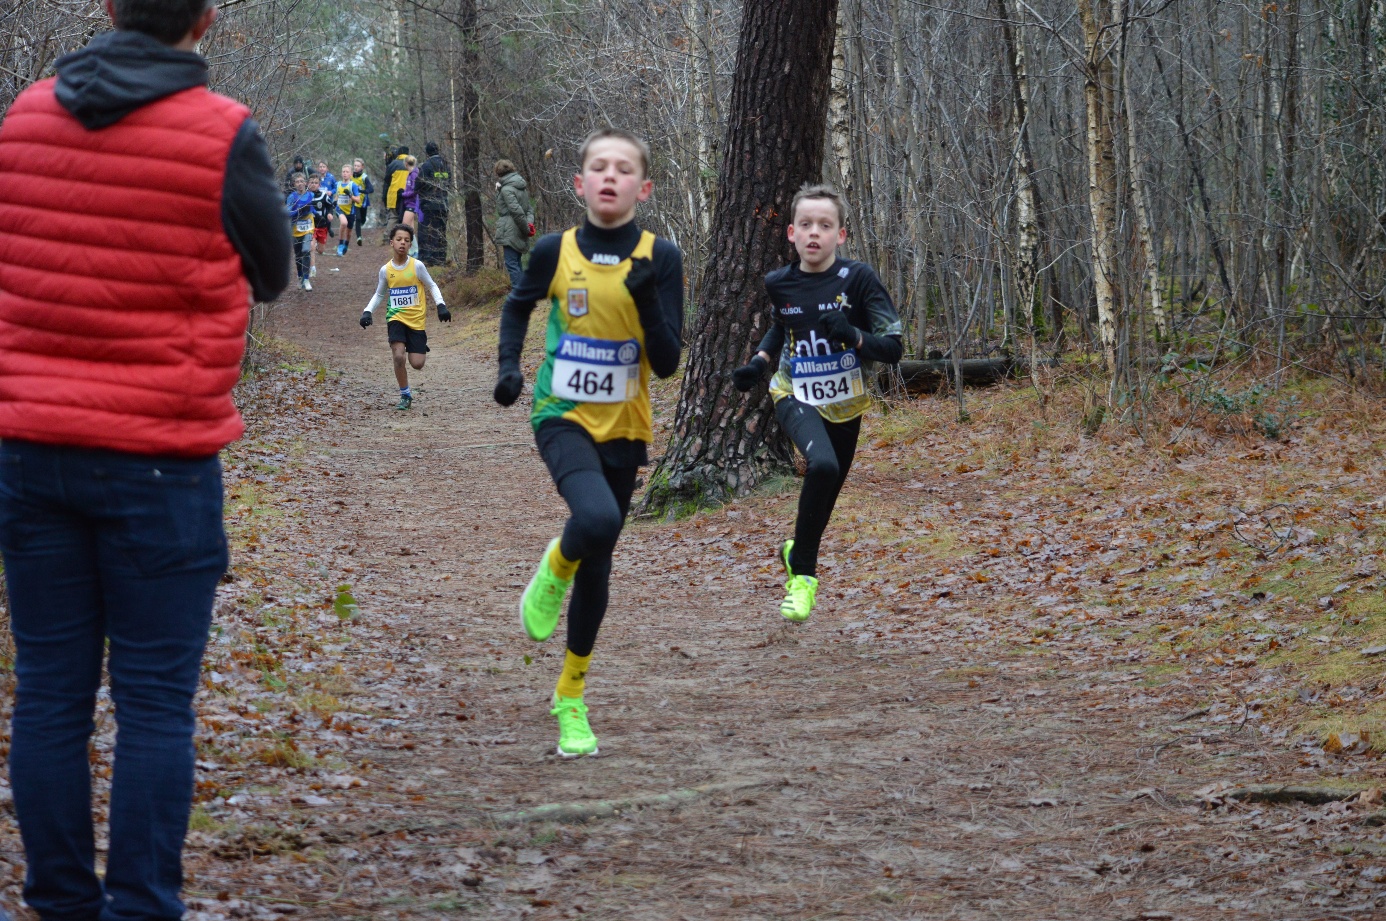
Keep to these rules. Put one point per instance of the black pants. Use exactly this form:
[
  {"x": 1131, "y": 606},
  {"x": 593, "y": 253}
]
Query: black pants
[
  {"x": 303, "y": 255},
  {"x": 433, "y": 239},
  {"x": 598, "y": 500},
  {"x": 828, "y": 447}
]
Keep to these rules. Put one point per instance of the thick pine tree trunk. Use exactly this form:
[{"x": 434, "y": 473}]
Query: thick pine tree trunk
[
  {"x": 775, "y": 135},
  {"x": 469, "y": 167}
]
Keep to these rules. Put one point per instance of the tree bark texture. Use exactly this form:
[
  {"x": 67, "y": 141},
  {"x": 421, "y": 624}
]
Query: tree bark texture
[
  {"x": 469, "y": 166},
  {"x": 775, "y": 139},
  {"x": 1097, "y": 85}
]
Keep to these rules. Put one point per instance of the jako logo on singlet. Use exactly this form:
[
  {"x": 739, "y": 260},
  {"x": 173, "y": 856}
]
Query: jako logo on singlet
[{"x": 605, "y": 259}]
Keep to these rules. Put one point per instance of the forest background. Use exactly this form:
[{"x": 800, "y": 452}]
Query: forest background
[{"x": 1133, "y": 180}]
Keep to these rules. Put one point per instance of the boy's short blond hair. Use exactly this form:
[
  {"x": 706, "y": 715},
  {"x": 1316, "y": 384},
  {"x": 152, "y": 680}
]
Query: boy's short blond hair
[
  {"x": 819, "y": 190},
  {"x": 635, "y": 140}
]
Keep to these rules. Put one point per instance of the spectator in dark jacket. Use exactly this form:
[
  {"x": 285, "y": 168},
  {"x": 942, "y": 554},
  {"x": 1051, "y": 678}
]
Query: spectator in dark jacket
[
  {"x": 434, "y": 184},
  {"x": 114, "y": 401},
  {"x": 514, "y": 218}
]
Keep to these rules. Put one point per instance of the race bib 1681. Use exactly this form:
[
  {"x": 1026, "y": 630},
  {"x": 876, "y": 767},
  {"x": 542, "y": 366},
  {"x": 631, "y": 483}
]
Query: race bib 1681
[
  {"x": 404, "y": 296},
  {"x": 596, "y": 370}
]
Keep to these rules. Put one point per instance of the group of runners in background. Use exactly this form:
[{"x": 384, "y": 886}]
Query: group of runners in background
[{"x": 320, "y": 205}]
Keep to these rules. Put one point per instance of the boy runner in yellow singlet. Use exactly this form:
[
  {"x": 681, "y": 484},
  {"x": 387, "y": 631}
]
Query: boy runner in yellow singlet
[
  {"x": 615, "y": 296},
  {"x": 400, "y": 287},
  {"x": 349, "y": 195}
]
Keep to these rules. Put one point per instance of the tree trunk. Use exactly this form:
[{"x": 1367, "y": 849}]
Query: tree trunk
[
  {"x": 1026, "y": 204},
  {"x": 775, "y": 134},
  {"x": 1140, "y": 199},
  {"x": 469, "y": 165},
  {"x": 1101, "y": 186}
]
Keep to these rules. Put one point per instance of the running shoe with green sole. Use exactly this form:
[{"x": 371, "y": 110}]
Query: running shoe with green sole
[
  {"x": 786, "y": 549},
  {"x": 800, "y": 592},
  {"x": 575, "y": 737},
  {"x": 542, "y": 601},
  {"x": 404, "y": 403}
]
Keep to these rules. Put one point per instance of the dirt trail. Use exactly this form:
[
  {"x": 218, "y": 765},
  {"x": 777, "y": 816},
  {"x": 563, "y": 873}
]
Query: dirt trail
[{"x": 805, "y": 772}]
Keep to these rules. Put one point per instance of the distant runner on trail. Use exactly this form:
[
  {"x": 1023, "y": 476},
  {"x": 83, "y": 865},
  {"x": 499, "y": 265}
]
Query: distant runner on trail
[
  {"x": 615, "y": 297},
  {"x": 299, "y": 204},
  {"x": 349, "y": 195},
  {"x": 400, "y": 286},
  {"x": 358, "y": 176},
  {"x": 829, "y": 316}
]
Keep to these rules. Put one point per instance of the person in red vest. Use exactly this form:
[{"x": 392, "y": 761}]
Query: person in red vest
[{"x": 116, "y": 368}]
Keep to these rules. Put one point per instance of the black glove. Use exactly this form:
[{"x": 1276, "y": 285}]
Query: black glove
[
  {"x": 749, "y": 374},
  {"x": 444, "y": 313},
  {"x": 835, "y": 325},
  {"x": 366, "y": 319},
  {"x": 642, "y": 284},
  {"x": 508, "y": 385}
]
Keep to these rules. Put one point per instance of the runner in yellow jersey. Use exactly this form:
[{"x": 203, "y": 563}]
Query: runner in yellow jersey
[
  {"x": 615, "y": 297},
  {"x": 400, "y": 288}
]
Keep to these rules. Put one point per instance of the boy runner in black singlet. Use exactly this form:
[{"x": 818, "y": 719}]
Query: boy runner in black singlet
[
  {"x": 830, "y": 316},
  {"x": 615, "y": 296}
]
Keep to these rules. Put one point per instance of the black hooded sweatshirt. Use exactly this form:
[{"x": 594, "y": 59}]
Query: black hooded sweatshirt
[{"x": 119, "y": 72}]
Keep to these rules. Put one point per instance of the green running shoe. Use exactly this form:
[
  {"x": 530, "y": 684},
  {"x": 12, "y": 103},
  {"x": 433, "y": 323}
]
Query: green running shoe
[
  {"x": 542, "y": 601},
  {"x": 800, "y": 592},
  {"x": 404, "y": 403},
  {"x": 786, "y": 549},
  {"x": 575, "y": 737}
]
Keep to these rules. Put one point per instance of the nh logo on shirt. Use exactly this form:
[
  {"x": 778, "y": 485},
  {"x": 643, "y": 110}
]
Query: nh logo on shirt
[{"x": 577, "y": 302}]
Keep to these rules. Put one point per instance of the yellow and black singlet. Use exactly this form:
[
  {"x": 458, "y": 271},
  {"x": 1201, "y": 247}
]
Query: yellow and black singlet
[
  {"x": 595, "y": 371},
  {"x": 347, "y": 193}
]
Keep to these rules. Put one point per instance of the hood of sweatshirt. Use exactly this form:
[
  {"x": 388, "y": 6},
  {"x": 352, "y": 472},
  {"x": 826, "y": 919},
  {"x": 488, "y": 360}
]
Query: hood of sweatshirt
[
  {"x": 119, "y": 72},
  {"x": 514, "y": 181}
]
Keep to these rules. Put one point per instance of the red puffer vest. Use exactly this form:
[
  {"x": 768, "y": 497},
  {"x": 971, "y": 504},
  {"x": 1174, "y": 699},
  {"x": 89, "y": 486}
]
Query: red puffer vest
[{"x": 123, "y": 307}]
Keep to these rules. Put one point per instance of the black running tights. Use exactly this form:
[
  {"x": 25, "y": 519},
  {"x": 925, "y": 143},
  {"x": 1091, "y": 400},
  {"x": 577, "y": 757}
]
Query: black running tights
[
  {"x": 828, "y": 448},
  {"x": 303, "y": 255},
  {"x": 598, "y": 499}
]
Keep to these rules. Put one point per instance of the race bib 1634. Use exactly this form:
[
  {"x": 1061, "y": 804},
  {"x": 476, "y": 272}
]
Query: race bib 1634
[{"x": 823, "y": 379}]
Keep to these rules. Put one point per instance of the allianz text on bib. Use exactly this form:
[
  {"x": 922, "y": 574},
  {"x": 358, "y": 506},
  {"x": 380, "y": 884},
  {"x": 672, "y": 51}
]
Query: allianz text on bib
[
  {"x": 596, "y": 370},
  {"x": 823, "y": 379}
]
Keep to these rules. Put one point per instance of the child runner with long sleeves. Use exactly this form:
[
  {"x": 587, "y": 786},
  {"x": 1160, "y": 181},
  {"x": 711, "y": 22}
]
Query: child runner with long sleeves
[
  {"x": 324, "y": 209},
  {"x": 300, "y": 207},
  {"x": 615, "y": 296},
  {"x": 829, "y": 316},
  {"x": 400, "y": 287}
]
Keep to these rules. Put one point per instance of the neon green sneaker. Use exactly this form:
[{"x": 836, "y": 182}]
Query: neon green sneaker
[
  {"x": 786, "y": 549},
  {"x": 575, "y": 737},
  {"x": 542, "y": 601},
  {"x": 800, "y": 592}
]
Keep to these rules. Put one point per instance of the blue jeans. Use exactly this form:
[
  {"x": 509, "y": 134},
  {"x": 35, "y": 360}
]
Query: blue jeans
[
  {"x": 103, "y": 546},
  {"x": 512, "y": 265}
]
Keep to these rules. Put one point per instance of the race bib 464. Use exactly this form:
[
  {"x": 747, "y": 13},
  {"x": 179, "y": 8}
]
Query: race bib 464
[{"x": 596, "y": 370}]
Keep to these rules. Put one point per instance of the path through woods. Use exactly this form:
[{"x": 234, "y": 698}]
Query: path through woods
[{"x": 917, "y": 750}]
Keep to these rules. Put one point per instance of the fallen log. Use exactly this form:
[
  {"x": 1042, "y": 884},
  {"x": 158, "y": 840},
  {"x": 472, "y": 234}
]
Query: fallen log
[{"x": 928, "y": 376}]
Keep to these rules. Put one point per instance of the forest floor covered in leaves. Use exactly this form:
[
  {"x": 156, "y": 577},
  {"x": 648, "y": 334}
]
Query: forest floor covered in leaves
[{"x": 1050, "y": 676}]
